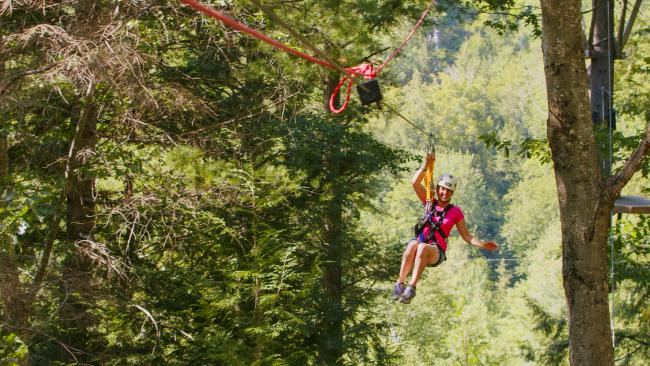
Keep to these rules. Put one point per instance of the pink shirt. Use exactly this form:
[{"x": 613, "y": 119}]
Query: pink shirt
[{"x": 452, "y": 217}]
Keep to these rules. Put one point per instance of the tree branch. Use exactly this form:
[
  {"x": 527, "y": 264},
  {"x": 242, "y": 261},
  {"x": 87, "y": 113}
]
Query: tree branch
[
  {"x": 49, "y": 244},
  {"x": 367, "y": 58},
  {"x": 628, "y": 26},
  {"x": 9, "y": 81},
  {"x": 592, "y": 26},
  {"x": 616, "y": 183},
  {"x": 621, "y": 26}
]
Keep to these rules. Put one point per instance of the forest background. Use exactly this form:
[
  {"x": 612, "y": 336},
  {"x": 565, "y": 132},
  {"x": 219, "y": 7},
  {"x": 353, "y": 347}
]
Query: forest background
[{"x": 174, "y": 193}]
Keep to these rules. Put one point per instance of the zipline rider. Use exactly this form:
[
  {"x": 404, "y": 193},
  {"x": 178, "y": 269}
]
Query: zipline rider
[{"x": 429, "y": 245}]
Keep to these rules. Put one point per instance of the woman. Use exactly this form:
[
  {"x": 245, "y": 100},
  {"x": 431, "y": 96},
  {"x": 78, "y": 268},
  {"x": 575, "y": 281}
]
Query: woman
[{"x": 429, "y": 246}]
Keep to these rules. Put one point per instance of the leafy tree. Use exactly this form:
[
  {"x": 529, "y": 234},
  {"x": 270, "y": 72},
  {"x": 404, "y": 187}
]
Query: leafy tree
[
  {"x": 586, "y": 197},
  {"x": 523, "y": 226}
]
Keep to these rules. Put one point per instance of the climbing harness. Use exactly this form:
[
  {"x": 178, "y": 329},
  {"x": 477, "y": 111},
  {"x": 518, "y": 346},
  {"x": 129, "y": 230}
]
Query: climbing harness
[
  {"x": 368, "y": 93},
  {"x": 434, "y": 225}
]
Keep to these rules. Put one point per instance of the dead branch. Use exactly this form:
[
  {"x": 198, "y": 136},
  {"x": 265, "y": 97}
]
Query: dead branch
[{"x": 101, "y": 256}]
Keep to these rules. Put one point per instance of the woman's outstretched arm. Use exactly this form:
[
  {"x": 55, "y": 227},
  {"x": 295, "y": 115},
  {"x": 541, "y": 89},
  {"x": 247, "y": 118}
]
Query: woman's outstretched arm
[{"x": 464, "y": 233}]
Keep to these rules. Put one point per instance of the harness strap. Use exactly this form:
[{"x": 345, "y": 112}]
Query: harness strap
[{"x": 435, "y": 226}]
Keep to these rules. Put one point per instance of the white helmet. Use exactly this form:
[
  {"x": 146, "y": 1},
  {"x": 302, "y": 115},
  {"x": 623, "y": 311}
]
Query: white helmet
[{"x": 448, "y": 181}]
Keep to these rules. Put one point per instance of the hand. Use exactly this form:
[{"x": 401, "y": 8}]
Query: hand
[
  {"x": 430, "y": 157},
  {"x": 491, "y": 246}
]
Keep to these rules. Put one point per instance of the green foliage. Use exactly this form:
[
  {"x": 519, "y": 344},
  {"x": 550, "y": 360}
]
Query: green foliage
[
  {"x": 507, "y": 16},
  {"x": 631, "y": 240},
  {"x": 530, "y": 148},
  {"x": 12, "y": 350},
  {"x": 631, "y": 96},
  {"x": 236, "y": 224},
  {"x": 555, "y": 330},
  {"x": 526, "y": 220},
  {"x": 340, "y": 164}
]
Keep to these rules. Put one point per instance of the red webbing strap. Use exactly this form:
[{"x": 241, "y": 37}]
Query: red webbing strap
[
  {"x": 364, "y": 70},
  {"x": 408, "y": 37},
  {"x": 238, "y": 26}
]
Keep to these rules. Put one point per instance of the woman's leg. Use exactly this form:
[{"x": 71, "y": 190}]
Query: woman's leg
[
  {"x": 425, "y": 255},
  {"x": 407, "y": 260}
]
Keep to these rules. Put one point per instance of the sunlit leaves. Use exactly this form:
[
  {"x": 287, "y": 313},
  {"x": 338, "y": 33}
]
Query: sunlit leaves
[{"x": 12, "y": 350}]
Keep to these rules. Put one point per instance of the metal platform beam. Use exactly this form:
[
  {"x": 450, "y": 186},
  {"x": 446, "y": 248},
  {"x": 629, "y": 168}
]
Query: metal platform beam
[{"x": 632, "y": 205}]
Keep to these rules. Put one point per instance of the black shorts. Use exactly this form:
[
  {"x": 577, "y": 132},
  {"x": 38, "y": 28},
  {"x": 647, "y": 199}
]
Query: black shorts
[{"x": 441, "y": 258}]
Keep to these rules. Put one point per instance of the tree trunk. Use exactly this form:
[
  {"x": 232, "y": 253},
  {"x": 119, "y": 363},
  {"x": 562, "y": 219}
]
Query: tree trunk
[
  {"x": 601, "y": 69},
  {"x": 330, "y": 85},
  {"x": 80, "y": 221},
  {"x": 10, "y": 287},
  {"x": 584, "y": 203},
  {"x": 15, "y": 301},
  {"x": 13, "y": 298},
  {"x": 331, "y": 347},
  {"x": 4, "y": 159},
  {"x": 80, "y": 193},
  {"x": 331, "y": 337}
]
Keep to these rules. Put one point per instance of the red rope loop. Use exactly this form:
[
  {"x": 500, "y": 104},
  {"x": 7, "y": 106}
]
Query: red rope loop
[{"x": 364, "y": 69}]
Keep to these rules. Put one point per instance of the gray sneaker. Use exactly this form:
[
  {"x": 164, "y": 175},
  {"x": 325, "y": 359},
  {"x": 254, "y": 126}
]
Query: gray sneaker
[
  {"x": 408, "y": 295},
  {"x": 397, "y": 291}
]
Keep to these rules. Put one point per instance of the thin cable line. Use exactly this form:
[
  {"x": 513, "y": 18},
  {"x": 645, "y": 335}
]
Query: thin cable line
[
  {"x": 408, "y": 121},
  {"x": 610, "y": 99}
]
